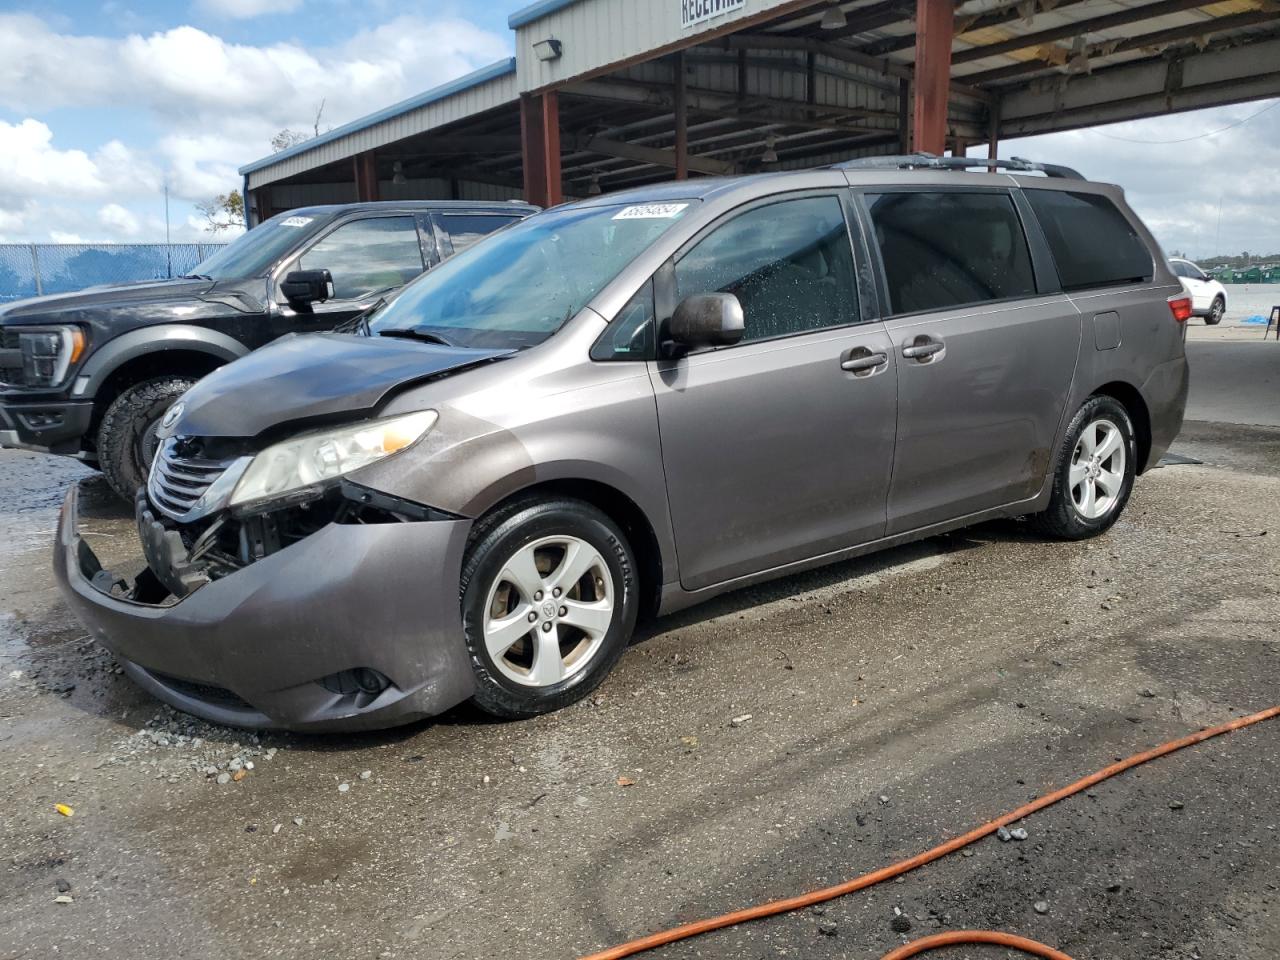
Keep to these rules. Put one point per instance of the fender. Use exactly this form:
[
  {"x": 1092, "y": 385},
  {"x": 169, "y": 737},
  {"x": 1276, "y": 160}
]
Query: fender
[{"x": 136, "y": 343}]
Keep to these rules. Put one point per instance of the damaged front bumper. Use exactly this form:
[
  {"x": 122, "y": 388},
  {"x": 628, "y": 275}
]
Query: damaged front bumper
[{"x": 268, "y": 646}]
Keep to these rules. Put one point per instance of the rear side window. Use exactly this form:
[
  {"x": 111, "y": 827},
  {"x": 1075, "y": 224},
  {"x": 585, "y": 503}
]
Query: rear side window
[
  {"x": 1092, "y": 243},
  {"x": 790, "y": 265},
  {"x": 948, "y": 249},
  {"x": 465, "y": 229}
]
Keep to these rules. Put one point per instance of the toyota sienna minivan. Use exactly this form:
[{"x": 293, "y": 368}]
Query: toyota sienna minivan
[{"x": 626, "y": 405}]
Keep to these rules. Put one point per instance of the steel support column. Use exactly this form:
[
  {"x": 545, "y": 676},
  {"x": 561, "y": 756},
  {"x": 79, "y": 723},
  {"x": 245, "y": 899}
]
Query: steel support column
[
  {"x": 935, "y": 26},
  {"x": 993, "y": 132},
  {"x": 540, "y": 148},
  {"x": 366, "y": 174},
  {"x": 680, "y": 101}
]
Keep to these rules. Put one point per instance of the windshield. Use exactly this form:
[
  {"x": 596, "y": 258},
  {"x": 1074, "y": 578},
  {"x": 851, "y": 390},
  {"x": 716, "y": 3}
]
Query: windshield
[
  {"x": 520, "y": 285},
  {"x": 251, "y": 254}
]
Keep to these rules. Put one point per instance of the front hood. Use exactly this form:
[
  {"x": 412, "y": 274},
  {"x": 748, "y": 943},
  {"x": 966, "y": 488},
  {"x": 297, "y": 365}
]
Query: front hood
[
  {"x": 311, "y": 377},
  {"x": 42, "y": 309}
]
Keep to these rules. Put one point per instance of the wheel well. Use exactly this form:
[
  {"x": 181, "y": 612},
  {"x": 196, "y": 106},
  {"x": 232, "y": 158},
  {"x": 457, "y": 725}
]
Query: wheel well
[
  {"x": 623, "y": 511},
  {"x": 1129, "y": 396},
  {"x": 149, "y": 366}
]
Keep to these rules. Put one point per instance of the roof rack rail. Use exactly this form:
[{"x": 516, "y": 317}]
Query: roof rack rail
[{"x": 929, "y": 161}]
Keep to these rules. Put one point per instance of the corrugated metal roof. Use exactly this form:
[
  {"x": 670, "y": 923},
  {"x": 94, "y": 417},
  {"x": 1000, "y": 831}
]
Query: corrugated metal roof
[{"x": 477, "y": 78}]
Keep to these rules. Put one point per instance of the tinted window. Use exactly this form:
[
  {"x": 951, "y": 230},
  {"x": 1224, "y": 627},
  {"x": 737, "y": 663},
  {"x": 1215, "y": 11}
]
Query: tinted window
[
  {"x": 1093, "y": 244},
  {"x": 1179, "y": 268},
  {"x": 789, "y": 264},
  {"x": 945, "y": 249},
  {"x": 367, "y": 256},
  {"x": 466, "y": 229}
]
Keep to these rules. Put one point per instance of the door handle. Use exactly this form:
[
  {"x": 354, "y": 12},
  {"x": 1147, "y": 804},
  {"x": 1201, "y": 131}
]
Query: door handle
[
  {"x": 864, "y": 362},
  {"x": 922, "y": 348}
]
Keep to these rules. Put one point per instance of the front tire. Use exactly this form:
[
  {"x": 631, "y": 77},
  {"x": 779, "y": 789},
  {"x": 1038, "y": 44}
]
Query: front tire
[
  {"x": 127, "y": 436},
  {"x": 1094, "y": 474},
  {"x": 549, "y": 601},
  {"x": 1216, "y": 311}
]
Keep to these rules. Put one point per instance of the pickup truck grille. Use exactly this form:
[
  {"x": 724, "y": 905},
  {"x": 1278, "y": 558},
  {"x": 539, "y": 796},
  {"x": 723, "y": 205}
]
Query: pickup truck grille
[
  {"x": 10, "y": 358},
  {"x": 177, "y": 482}
]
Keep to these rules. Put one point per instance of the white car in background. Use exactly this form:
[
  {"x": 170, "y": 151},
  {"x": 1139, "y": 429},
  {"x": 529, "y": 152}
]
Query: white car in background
[{"x": 1208, "y": 296}]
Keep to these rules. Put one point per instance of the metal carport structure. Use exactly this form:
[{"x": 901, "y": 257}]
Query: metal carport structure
[{"x": 604, "y": 94}]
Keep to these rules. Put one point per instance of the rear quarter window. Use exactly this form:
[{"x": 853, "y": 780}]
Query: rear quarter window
[{"x": 1092, "y": 242}]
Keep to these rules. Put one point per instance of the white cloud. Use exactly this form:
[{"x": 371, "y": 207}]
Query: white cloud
[
  {"x": 247, "y": 9},
  {"x": 218, "y": 103},
  {"x": 119, "y": 220}
]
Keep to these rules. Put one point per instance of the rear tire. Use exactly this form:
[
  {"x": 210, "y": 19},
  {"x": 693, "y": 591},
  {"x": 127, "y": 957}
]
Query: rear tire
[
  {"x": 1216, "y": 310},
  {"x": 127, "y": 435},
  {"x": 1093, "y": 477},
  {"x": 549, "y": 601}
]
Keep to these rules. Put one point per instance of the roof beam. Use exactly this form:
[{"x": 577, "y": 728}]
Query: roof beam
[
  {"x": 860, "y": 21},
  {"x": 1108, "y": 48},
  {"x": 1078, "y": 28},
  {"x": 653, "y": 155},
  {"x": 761, "y": 41},
  {"x": 963, "y": 25}
]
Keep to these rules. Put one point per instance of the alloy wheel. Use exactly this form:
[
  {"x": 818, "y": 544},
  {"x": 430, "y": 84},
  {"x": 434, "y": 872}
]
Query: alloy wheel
[
  {"x": 548, "y": 611},
  {"x": 1097, "y": 469}
]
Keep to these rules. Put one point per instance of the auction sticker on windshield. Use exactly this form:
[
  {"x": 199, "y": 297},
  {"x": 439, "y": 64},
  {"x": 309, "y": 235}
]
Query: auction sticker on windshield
[
  {"x": 295, "y": 221},
  {"x": 650, "y": 211}
]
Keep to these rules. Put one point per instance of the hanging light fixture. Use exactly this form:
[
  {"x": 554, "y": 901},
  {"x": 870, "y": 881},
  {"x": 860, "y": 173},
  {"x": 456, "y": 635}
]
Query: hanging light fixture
[
  {"x": 397, "y": 174},
  {"x": 770, "y": 154},
  {"x": 593, "y": 188},
  {"x": 834, "y": 18}
]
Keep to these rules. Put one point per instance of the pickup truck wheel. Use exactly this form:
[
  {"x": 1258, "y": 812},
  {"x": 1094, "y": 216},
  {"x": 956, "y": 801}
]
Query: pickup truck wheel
[
  {"x": 127, "y": 436},
  {"x": 549, "y": 600}
]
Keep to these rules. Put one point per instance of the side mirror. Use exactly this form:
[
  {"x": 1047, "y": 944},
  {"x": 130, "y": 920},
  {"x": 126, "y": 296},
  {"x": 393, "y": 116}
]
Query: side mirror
[
  {"x": 707, "y": 320},
  {"x": 305, "y": 287}
]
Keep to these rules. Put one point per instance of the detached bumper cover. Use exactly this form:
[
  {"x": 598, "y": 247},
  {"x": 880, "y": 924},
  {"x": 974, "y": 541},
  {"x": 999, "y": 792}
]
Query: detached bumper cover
[{"x": 250, "y": 649}]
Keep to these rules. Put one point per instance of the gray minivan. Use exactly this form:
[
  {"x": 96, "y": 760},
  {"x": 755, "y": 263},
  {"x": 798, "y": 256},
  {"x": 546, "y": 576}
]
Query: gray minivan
[{"x": 624, "y": 406}]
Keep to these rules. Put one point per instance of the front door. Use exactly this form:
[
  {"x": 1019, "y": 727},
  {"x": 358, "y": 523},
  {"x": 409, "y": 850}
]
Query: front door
[
  {"x": 985, "y": 362},
  {"x": 778, "y": 448}
]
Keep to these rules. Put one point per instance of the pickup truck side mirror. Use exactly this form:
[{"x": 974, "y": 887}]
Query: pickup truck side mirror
[
  {"x": 707, "y": 320},
  {"x": 305, "y": 287}
]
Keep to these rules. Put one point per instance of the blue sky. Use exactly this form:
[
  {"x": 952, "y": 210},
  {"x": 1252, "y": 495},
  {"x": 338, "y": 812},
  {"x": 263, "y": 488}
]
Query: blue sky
[{"x": 103, "y": 101}]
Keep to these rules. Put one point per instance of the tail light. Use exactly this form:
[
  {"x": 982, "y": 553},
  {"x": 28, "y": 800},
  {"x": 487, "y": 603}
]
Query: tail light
[{"x": 1180, "y": 307}]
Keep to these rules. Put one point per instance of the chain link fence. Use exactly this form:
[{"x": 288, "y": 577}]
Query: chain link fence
[{"x": 34, "y": 269}]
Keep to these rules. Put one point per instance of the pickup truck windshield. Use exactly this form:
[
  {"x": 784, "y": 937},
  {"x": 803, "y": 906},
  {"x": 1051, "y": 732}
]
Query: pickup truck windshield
[
  {"x": 253, "y": 253},
  {"x": 520, "y": 285}
]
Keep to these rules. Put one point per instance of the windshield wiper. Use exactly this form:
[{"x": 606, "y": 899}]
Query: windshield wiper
[
  {"x": 416, "y": 333},
  {"x": 195, "y": 276}
]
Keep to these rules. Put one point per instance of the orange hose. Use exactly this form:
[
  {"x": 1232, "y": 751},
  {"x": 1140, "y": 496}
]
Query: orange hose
[
  {"x": 953, "y": 937},
  {"x": 774, "y": 907}
]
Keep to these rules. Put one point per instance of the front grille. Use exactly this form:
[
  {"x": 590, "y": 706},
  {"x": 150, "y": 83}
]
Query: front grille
[
  {"x": 11, "y": 358},
  {"x": 177, "y": 481}
]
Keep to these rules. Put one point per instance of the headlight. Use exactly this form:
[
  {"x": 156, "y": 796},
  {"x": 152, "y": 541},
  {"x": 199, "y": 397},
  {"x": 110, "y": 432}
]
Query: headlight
[
  {"x": 48, "y": 353},
  {"x": 314, "y": 459}
]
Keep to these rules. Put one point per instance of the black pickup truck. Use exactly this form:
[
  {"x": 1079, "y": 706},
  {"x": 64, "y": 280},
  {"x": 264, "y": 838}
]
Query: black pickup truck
[{"x": 90, "y": 374}]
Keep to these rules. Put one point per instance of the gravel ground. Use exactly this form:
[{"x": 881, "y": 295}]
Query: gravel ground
[{"x": 894, "y": 701}]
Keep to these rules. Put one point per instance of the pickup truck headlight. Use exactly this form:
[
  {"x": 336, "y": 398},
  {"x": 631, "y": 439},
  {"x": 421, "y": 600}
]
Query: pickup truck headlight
[
  {"x": 314, "y": 459},
  {"x": 48, "y": 353}
]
